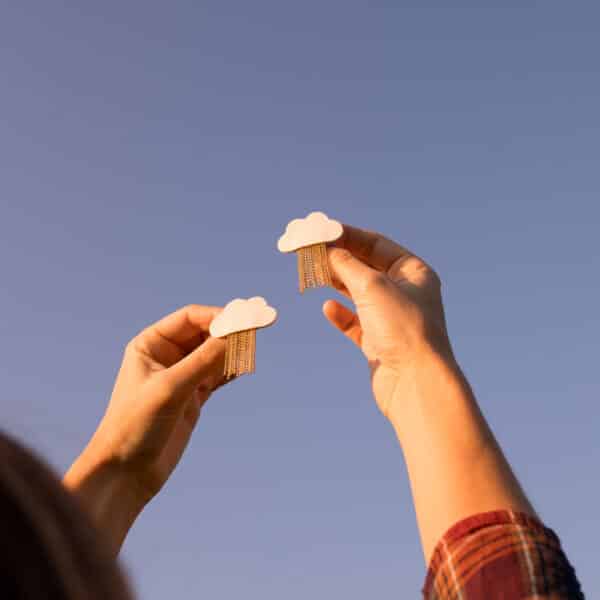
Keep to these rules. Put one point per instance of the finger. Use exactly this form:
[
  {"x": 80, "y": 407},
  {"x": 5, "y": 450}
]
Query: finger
[
  {"x": 177, "y": 334},
  {"x": 349, "y": 272},
  {"x": 343, "y": 319},
  {"x": 340, "y": 287},
  {"x": 204, "y": 365},
  {"x": 373, "y": 248},
  {"x": 185, "y": 324}
]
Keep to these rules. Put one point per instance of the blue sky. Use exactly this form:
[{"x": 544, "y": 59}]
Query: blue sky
[{"x": 151, "y": 154}]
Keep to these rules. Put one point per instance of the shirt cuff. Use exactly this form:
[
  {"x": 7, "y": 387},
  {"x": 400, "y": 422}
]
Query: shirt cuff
[{"x": 499, "y": 554}]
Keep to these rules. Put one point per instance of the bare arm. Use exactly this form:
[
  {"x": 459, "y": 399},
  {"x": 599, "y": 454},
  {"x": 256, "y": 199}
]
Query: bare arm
[{"x": 455, "y": 465}]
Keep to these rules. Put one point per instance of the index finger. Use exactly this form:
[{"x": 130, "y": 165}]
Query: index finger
[
  {"x": 185, "y": 328},
  {"x": 371, "y": 247}
]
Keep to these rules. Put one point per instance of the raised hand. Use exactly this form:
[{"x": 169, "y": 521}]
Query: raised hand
[
  {"x": 399, "y": 313},
  {"x": 168, "y": 372}
]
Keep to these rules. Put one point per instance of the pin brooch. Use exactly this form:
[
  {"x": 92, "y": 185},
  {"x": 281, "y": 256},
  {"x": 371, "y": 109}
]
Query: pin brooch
[
  {"x": 308, "y": 238},
  {"x": 238, "y": 322}
]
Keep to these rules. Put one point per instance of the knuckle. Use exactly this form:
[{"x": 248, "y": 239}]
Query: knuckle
[
  {"x": 374, "y": 282},
  {"x": 188, "y": 310},
  {"x": 132, "y": 346},
  {"x": 430, "y": 274},
  {"x": 422, "y": 271},
  {"x": 136, "y": 346}
]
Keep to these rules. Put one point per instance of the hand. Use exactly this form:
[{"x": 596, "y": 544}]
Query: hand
[
  {"x": 455, "y": 465},
  {"x": 399, "y": 315},
  {"x": 169, "y": 370}
]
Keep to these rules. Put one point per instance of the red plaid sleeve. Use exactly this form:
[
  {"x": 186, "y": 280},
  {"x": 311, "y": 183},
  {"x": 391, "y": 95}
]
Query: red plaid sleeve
[{"x": 500, "y": 555}]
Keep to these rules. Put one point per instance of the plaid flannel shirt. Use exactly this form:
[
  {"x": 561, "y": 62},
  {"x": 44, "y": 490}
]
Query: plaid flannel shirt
[{"x": 500, "y": 555}]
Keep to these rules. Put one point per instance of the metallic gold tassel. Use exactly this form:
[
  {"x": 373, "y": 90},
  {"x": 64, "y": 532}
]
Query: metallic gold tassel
[
  {"x": 240, "y": 355},
  {"x": 313, "y": 267}
]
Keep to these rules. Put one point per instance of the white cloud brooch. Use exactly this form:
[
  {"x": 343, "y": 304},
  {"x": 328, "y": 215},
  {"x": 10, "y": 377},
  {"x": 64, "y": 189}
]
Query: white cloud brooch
[
  {"x": 308, "y": 238},
  {"x": 238, "y": 322}
]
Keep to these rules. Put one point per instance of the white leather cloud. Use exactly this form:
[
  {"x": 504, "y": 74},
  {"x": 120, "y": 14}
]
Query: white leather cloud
[
  {"x": 317, "y": 228},
  {"x": 241, "y": 315}
]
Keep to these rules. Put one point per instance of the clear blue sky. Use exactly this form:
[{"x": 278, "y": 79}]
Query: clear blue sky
[{"x": 150, "y": 155}]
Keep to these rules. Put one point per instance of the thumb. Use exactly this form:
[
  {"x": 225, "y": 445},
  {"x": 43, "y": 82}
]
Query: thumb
[
  {"x": 348, "y": 270},
  {"x": 207, "y": 361}
]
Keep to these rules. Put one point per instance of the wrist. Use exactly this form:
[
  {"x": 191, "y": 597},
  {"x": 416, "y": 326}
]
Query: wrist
[
  {"x": 431, "y": 377},
  {"x": 107, "y": 494}
]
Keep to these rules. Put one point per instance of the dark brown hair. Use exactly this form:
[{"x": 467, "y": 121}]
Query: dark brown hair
[{"x": 48, "y": 548}]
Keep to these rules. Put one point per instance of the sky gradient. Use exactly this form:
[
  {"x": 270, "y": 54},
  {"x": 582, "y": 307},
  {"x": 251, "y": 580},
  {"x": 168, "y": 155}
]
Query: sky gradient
[{"x": 151, "y": 154}]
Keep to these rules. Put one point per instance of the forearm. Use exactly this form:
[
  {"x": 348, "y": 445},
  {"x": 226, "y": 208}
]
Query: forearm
[
  {"x": 106, "y": 495},
  {"x": 455, "y": 465}
]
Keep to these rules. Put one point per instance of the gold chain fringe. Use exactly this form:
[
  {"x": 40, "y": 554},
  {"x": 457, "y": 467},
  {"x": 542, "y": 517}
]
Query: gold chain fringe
[
  {"x": 240, "y": 355},
  {"x": 313, "y": 267}
]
